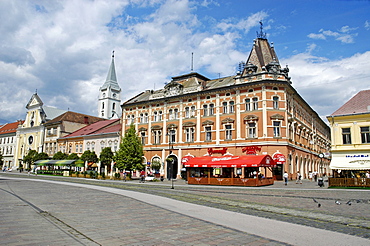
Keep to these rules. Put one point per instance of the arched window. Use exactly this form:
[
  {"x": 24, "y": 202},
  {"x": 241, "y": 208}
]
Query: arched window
[
  {"x": 102, "y": 105},
  {"x": 247, "y": 104}
]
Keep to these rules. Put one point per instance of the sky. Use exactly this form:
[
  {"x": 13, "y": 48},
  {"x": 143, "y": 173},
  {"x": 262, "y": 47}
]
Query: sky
[{"x": 62, "y": 49}]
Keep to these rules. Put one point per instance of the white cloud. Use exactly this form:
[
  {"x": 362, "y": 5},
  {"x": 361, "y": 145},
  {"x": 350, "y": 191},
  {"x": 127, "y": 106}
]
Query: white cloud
[
  {"x": 342, "y": 35},
  {"x": 367, "y": 25},
  {"x": 326, "y": 85}
]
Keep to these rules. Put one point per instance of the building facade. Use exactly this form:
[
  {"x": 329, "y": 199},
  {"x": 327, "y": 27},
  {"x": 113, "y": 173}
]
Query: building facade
[
  {"x": 94, "y": 137},
  {"x": 350, "y": 134},
  {"x": 254, "y": 111},
  {"x": 63, "y": 125},
  {"x": 8, "y": 143},
  {"x": 110, "y": 95},
  {"x": 30, "y": 135}
]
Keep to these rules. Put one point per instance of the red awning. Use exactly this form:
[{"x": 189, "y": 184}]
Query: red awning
[{"x": 231, "y": 161}]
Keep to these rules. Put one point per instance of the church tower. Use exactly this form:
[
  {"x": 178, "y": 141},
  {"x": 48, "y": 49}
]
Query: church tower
[{"x": 109, "y": 105}]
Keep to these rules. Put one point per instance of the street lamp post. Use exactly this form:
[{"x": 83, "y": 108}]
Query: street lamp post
[{"x": 171, "y": 161}]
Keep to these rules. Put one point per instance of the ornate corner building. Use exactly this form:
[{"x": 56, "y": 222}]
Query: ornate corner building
[{"x": 257, "y": 109}]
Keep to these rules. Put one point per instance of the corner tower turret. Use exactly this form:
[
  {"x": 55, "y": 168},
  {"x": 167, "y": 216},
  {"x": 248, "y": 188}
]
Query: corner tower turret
[{"x": 109, "y": 105}]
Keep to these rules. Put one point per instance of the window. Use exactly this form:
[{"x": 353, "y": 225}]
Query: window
[
  {"x": 146, "y": 118},
  {"x": 189, "y": 134},
  {"x": 365, "y": 134},
  {"x": 231, "y": 107},
  {"x": 208, "y": 130},
  {"x": 155, "y": 116},
  {"x": 170, "y": 114},
  {"x": 276, "y": 125},
  {"x": 80, "y": 148},
  {"x": 102, "y": 145},
  {"x": 192, "y": 111},
  {"x": 211, "y": 109},
  {"x": 176, "y": 113},
  {"x": 228, "y": 132},
  {"x": 114, "y": 106},
  {"x": 224, "y": 107},
  {"x": 187, "y": 112},
  {"x": 255, "y": 103},
  {"x": 102, "y": 105},
  {"x": 157, "y": 134},
  {"x": 115, "y": 145},
  {"x": 141, "y": 118},
  {"x": 160, "y": 116},
  {"x": 205, "y": 110},
  {"x": 346, "y": 134},
  {"x": 247, "y": 104},
  {"x": 92, "y": 146},
  {"x": 76, "y": 148},
  {"x": 275, "y": 102},
  {"x": 132, "y": 119},
  {"x": 172, "y": 136},
  {"x": 251, "y": 130},
  {"x": 142, "y": 136}
]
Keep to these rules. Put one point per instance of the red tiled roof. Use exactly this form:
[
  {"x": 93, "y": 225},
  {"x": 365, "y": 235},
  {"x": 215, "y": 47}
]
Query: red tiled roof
[
  {"x": 115, "y": 128},
  {"x": 356, "y": 105},
  {"x": 93, "y": 128},
  {"x": 10, "y": 127}
]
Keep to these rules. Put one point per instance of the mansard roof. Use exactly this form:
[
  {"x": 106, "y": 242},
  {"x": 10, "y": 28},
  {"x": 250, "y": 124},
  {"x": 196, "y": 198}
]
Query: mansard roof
[
  {"x": 111, "y": 80},
  {"x": 262, "y": 64},
  {"x": 358, "y": 104},
  {"x": 262, "y": 55}
]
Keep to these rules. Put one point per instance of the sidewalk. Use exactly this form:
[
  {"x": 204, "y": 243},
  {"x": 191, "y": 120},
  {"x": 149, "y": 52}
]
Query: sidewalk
[{"x": 270, "y": 230}]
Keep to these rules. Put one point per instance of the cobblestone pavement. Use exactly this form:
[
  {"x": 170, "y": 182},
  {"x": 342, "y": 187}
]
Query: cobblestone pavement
[{"x": 128, "y": 221}]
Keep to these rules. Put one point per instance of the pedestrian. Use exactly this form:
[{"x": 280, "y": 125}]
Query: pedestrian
[
  {"x": 310, "y": 176},
  {"x": 299, "y": 178},
  {"x": 124, "y": 176},
  {"x": 142, "y": 176},
  {"x": 368, "y": 175},
  {"x": 285, "y": 176}
]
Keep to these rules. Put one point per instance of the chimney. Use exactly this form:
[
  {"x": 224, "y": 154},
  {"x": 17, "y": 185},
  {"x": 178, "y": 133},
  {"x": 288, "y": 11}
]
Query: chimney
[{"x": 86, "y": 120}]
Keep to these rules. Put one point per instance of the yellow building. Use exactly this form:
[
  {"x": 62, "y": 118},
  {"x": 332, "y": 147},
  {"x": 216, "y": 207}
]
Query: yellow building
[
  {"x": 30, "y": 135},
  {"x": 350, "y": 135}
]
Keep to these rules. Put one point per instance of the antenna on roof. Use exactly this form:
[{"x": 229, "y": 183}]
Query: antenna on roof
[
  {"x": 192, "y": 61},
  {"x": 36, "y": 91},
  {"x": 261, "y": 34}
]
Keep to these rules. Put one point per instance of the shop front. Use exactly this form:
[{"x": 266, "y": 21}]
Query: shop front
[
  {"x": 249, "y": 170},
  {"x": 350, "y": 170}
]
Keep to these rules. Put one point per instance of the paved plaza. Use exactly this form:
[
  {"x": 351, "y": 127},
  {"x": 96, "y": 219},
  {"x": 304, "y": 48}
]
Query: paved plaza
[{"x": 40, "y": 211}]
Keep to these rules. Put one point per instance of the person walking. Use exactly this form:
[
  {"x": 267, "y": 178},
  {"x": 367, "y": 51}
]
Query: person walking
[
  {"x": 285, "y": 176},
  {"x": 299, "y": 178}
]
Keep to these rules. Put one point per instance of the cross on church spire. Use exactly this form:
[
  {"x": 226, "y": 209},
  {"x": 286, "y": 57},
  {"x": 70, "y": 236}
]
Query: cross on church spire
[{"x": 113, "y": 54}]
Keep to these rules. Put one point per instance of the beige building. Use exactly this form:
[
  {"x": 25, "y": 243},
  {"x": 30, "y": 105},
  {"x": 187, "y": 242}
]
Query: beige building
[
  {"x": 350, "y": 134},
  {"x": 256, "y": 111}
]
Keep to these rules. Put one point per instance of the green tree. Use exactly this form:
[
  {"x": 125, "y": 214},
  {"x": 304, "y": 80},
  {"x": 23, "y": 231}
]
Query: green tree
[
  {"x": 89, "y": 156},
  {"x": 41, "y": 156},
  {"x": 130, "y": 154},
  {"x": 73, "y": 156},
  {"x": 60, "y": 156},
  {"x": 29, "y": 159},
  {"x": 106, "y": 156}
]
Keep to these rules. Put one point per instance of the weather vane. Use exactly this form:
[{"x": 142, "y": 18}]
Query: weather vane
[{"x": 261, "y": 34}]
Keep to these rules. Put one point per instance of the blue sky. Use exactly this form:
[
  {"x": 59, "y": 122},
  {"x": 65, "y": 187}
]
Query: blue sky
[{"x": 63, "y": 49}]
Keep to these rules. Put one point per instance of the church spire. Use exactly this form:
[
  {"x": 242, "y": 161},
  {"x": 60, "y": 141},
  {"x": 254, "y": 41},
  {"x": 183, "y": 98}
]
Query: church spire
[
  {"x": 109, "y": 99},
  {"x": 111, "y": 79}
]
